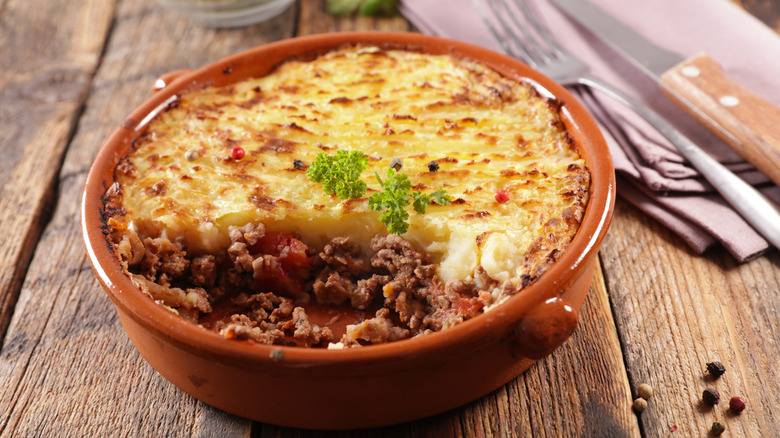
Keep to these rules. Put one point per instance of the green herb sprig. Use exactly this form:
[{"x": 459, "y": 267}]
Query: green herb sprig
[
  {"x": 340, "y": 173},
  {"x": 395, "y": 197},
  {"x": 363, "y": 7}
]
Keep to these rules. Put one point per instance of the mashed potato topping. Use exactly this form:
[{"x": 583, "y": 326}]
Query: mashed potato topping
[{"x": 517, "y": 184}]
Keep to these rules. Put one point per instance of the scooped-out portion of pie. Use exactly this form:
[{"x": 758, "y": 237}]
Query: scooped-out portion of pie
[{"x": 353, "y": 197}]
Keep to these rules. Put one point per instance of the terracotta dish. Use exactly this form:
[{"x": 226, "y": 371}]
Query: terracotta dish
[{"x": 379, "y": 384}]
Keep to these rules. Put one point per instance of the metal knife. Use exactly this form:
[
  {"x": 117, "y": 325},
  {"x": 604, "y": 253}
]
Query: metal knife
[{"x": 748, "y": 123}]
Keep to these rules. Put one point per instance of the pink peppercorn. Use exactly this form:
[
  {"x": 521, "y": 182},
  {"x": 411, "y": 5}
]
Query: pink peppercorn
[
  {"x": 737, "y": 404},
  {"x": 502, "y": 196},
  {"x": 237, "y": 153}
]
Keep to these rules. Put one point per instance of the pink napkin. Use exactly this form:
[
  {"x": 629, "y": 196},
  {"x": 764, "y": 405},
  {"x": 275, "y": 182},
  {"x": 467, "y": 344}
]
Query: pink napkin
[{"x": 651, "y": 173}]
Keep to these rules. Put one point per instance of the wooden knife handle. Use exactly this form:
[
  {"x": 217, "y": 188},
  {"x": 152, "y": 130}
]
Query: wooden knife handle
[{"x": 748, "y": 123}]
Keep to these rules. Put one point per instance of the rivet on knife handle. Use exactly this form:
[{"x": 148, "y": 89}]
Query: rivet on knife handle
[{"x": 748, "y": 123}]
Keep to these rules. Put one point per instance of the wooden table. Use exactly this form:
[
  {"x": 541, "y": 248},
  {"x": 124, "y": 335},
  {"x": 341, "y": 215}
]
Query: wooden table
[{"x": 70, "y": 71}]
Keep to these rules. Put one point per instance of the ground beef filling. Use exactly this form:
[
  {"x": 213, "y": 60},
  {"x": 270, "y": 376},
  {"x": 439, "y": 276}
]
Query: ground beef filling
[{"x": 271, "y": 288}]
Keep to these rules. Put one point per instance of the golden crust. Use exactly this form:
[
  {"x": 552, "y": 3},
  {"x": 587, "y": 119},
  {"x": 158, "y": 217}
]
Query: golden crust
[{"x": 487, "y": 133}]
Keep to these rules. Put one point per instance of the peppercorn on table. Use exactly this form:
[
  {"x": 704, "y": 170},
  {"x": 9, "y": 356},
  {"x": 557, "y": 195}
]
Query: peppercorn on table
[{"x": 668, "y": 344}]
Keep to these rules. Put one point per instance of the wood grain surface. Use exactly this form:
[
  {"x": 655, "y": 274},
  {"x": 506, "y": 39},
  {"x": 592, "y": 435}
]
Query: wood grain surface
[
  {"x": 43, "y": 91},
  {"x": 676, "y": 311},
  {"x": 71, "y": 71},
  {"x": 767, "y": 11}
]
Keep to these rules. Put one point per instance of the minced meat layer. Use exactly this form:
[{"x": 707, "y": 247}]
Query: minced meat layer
[{"x": 260, "y": 288}]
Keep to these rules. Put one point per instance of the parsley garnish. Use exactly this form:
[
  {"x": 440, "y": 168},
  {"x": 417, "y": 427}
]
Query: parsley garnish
[
  {"x": 340, "y": 173},
  {"x": 394, "y": 197}
]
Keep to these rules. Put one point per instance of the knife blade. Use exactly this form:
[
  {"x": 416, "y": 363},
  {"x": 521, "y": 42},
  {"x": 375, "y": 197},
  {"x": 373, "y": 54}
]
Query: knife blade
[{"x": 745, "y": 121}]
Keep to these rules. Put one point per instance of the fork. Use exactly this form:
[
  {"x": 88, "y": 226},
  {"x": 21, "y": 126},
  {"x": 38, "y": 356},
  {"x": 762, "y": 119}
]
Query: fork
[{"x": 535, "y": 46}]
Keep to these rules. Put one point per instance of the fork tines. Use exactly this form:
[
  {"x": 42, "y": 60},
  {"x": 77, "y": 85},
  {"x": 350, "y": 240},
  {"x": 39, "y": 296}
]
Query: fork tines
[{"x": 518, "y": 28}]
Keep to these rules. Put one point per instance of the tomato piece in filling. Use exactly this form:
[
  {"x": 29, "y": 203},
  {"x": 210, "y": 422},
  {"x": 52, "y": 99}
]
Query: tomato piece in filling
[
  {"x": 285, "y": 264},
  {"x": 468, "y": 306}
]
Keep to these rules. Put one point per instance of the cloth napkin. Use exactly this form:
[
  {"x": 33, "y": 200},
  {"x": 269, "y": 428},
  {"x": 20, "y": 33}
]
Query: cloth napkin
[{"x": 651, "y": 173}]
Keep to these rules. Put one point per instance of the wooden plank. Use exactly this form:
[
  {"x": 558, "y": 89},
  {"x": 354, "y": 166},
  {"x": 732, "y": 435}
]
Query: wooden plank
[
  {"x": 67, "y": 368},
  {"x": 767, "y": 11},
  {"x": 676, "y": 311},
  {"x": 49, "y": 54},
  {"x": 582, "y": 389}
]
